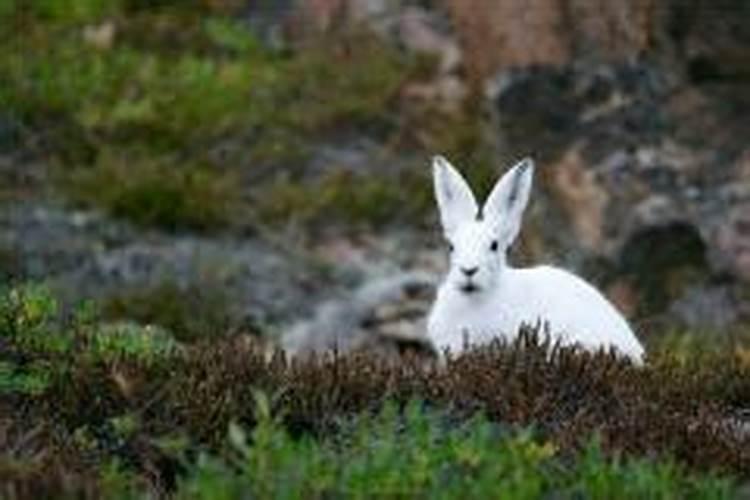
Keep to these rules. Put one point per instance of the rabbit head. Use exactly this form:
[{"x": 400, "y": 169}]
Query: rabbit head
[{"x": 478, "y": 237}]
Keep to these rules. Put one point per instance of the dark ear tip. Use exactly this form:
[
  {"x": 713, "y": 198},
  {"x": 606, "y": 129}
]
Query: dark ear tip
[{"x": 526, "y": 164}]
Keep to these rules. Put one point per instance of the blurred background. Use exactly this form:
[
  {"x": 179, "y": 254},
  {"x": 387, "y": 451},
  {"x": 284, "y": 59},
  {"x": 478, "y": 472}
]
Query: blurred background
[{"x": 214, "y": 166}]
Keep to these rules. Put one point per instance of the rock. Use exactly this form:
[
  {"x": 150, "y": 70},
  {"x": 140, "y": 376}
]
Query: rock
[
  {"x": 359, "y": 11},
  {"x": 705, "y": 307},
  {"x": 713, "y": 39},
  {"x": 624, "y": 297},
  {"x": 100, "y": 36},
  {"x": 413, "y": 29},
  {"x": 423, "y": 32},
  {"x": 581, "y": 196},
  {"x": 270, "y": 21},
  {"x": 661, "y": 193},
  {"x": 733, "y": 241},
  {"x": 546, "y": 110},
  {"x": 85, "y": 255},
  {"x": 502, "y": 34},
  {"x": 385, "y": 315},
  {"x": 313, "y": 17}
]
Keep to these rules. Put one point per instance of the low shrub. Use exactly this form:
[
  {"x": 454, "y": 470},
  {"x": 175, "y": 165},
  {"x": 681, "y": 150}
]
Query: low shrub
[
  {"x": 158, "y": 193},
  {"x": 188, "y": 313},
  {"x": 155, "y": 411},
  {"x": 346, "y": 198},
  {"x": 414, "y": 452},
  {"x": 103, "y": 80}
]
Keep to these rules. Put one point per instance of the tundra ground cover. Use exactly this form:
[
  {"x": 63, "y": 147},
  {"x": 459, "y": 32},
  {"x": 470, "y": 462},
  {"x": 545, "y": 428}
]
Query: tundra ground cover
[{"x": 94, "y": 409}]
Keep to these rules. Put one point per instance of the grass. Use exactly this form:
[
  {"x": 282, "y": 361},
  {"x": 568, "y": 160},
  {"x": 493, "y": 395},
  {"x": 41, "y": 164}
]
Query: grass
[{"x": 120, "y": 410}]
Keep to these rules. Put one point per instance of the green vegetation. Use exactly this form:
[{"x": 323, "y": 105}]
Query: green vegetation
[
  {"x": 126, "y": 412},
  {"x": 63, "y": 10},
  {"x": 411, "y": 452},
  {"x": 347, "y": 197},
  {"x": 157, "y": 115},
  {"x": 147, "y": 343},
  {"x": 28, "y": 315},
  {"x": 190, "y": 313},
  {"x": 405, "y": 195},
  {"x": 158, "y": 193},
  {"x": 698, "y": 346},
  {"x": 122, "y": 94},
  {"x": 29, "y": 380},
  {"x": 42, "y": 340}
]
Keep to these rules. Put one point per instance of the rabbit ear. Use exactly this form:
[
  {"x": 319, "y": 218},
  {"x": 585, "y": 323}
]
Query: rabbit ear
[
  {"x": 508, "y": 199},
  {"x": 454, "y": 197}
]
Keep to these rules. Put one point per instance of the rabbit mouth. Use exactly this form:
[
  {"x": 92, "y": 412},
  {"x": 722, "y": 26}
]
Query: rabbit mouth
[{"x": 469, "y": 288}]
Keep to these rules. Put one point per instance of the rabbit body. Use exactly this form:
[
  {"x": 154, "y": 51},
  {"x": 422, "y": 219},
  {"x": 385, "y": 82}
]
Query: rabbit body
[
  {"x": 574, "y": 311},
  {"x": 482, "y": 297}
]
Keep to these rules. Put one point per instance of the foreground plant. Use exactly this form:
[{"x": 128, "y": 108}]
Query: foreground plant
[
  {"x": 418, "y": 453},
  {"x": 80, "y": 398}
]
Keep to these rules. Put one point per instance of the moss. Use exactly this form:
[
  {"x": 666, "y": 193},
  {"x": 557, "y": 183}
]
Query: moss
[
  {"x": 76, "y": 12},
  {"x": 349, "y": 82},
  {"x": 188, "y": 313},
  {"x": 157, "y": 192}
]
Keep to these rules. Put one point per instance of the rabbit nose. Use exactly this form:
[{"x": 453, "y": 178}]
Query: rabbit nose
[{"x": 469, "y": 271}]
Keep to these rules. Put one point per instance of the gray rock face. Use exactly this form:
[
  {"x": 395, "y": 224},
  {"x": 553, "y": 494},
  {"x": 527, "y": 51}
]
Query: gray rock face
[
  {"x": 84, "y": 255},
  {"x": 386, "y": 315},
  {"x": 367, "y": 303},
  {"x": 642, "y": 170}
]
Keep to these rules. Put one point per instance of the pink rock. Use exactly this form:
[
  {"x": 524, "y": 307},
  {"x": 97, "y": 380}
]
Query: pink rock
[{"x": 733, "y": 240}]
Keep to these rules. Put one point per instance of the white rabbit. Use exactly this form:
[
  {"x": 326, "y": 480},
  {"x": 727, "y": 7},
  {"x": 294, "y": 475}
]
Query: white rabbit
[{"x": 482, "y": 297}]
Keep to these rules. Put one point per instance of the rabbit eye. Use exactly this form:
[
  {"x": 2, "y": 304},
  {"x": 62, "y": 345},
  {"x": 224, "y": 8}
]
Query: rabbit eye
[
  {"x": 494, "y": 246},
  {"x": 450, "y": 247}
]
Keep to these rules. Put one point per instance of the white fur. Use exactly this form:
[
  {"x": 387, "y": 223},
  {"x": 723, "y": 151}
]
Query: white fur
[{"x": 497, "y": 299}]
